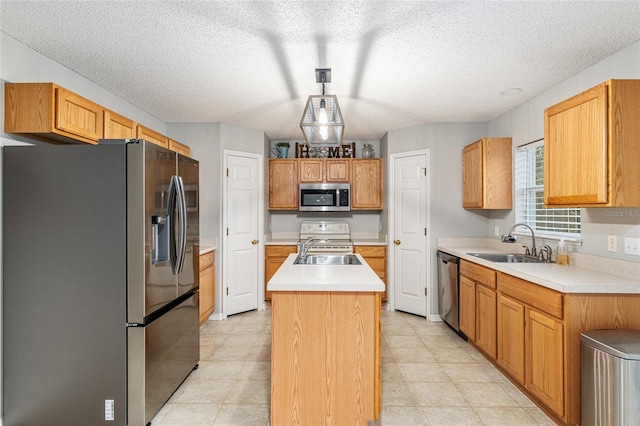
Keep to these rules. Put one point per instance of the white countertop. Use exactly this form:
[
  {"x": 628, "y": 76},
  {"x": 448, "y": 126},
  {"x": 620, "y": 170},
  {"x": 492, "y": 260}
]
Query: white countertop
[
  {"x": 292, "y": 277},
  {"x": 563, "y": 278}
]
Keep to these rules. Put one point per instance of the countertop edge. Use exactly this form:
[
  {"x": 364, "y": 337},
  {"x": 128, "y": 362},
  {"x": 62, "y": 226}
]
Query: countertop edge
[{"x": 563, "y": 278}]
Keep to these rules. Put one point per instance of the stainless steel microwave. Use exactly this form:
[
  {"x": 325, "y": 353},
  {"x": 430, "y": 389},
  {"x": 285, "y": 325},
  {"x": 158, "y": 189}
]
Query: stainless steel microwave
[{"x": 324, "y": 197}]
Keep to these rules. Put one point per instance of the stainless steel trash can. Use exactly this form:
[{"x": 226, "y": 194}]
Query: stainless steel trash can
[{"x": 610, "y": 374}]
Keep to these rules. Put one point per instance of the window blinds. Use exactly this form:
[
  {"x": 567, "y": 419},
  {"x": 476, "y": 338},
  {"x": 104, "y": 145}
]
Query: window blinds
[{"x": 529, "y": 191}]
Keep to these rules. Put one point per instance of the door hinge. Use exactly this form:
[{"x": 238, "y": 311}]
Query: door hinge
[
  {"x": 425, "y": 170},
  {"x": 425, "y": 231},
  {"x": 227, "y": 232},
  {"x": 228, "y": 290},
  {"x": 227, "y": 172},
  {"x": 425, "y": 291}
]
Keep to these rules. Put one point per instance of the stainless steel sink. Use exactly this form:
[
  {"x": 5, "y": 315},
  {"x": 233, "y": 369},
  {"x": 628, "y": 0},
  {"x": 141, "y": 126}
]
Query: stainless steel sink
[
  {"x": 328, "y": 259},
  {"x": 507, "y": 257}
]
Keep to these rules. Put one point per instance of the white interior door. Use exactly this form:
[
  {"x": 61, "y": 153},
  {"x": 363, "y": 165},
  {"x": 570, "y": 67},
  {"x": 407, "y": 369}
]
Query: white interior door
[
  {"x": 242, "y": 266},
  {"x": 410, "y": 262}
]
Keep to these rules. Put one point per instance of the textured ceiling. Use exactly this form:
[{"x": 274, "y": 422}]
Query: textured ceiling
[{"x": 394, "y": 63}]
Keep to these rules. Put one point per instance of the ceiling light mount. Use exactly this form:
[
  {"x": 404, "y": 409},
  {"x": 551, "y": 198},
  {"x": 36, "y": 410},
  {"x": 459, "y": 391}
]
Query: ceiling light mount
[{"x": 322, "y": 121}]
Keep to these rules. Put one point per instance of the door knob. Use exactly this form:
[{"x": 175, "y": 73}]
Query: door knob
[
  {"x": 254, "y": 242},
  {"x": 396, "y": 242}
]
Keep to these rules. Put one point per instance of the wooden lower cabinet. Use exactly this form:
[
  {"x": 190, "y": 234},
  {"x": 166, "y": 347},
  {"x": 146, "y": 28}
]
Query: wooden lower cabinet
[
  {"x": 325, "y": 358},
  {"x": 486, "y": 320},
  {"x": 467, "y": 308},
  {"x": 207, "y": 285},
  {"x": 477, "y": 306},
  {"x": 376, "y": 258},
  {"x": 274, "y": 256},
  {"x": 544, "y": 359},
  {"x": 510, "y": 333}
]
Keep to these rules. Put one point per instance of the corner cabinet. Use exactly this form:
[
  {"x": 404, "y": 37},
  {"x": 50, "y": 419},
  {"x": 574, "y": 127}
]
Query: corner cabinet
[
  {"x": 594, "y": 135},
  {"x": 207, "y": 285},
  {"x": 283, "y": 184},
  {"x": 274, "y": 257},
  {"x": 376, "y": 258},
  {"x": 366, "y": 184},
  {"x": 48, "y": 112},
  {"x": 487, "y": 174}
]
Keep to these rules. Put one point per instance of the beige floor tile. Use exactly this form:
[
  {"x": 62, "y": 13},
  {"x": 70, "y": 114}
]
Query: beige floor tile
[
  {"x": 504, "y": 416},
  {"x": 392, "y": 372},
  {"x": 424, "y": 372},
  {"x": 212, "y": 339},
  {"x": 250, "y": 392},
  {"x": 188, "y": 415},
  {"x": 412, "y": 355},
  {"x": 260, "y": 353},
  {"x": 539, "y": 416},
  {"x": 243, "y": 414},
  {"x": 216, "y": 327},
  {"x": 438, "y": 394},
  {"x": 217, "y": 370},
  {"x": 451, "y": 355},
  {"x": 232, "y": 353},
  {"x": 241, "y": 340},
  {"x": 401, "y": 329},
  {"x": 466, "y": 373},
  {"x": 521, "y": 399},
  {"x": 443, "y": 341},
  {"x": 486, "y": 395},
  {"x": 255, "y": 370},
  {"x": 397, "y": 393},
  {"x": 406, "y": 341},
  {"x": 203, "y": 391},
  {"x": 452, "y": 416},
  {"x": 402, "y": 416}
]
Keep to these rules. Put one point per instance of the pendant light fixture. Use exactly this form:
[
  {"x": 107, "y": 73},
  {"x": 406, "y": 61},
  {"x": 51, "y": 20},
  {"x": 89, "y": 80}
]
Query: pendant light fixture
[{"x": 321, "y": 121}]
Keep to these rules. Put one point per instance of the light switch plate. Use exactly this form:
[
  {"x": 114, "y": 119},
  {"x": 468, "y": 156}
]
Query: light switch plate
[
  {"x": 632, "y": 246},
  {"x": 496, "y": 231},
  {"x": 612, "y": 243}
]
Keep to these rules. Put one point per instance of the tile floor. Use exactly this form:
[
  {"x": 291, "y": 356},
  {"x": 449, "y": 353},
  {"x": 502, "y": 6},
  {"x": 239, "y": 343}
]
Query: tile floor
[{"x": 429, "y": 377}]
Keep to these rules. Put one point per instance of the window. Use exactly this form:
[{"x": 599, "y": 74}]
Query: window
[{"x": 554, "y": 223}]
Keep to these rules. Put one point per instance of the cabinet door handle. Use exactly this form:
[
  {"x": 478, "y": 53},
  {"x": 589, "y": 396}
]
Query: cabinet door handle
[
  {"x": 396, "y": 242},
  {"x": 254, "y": 242}
]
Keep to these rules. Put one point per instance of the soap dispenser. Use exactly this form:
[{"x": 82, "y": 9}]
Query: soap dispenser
[{"x": 563, "y": 256}]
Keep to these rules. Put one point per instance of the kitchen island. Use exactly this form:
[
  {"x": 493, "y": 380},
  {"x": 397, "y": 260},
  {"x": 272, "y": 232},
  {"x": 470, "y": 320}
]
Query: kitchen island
[{"x": 325, "y": 344}]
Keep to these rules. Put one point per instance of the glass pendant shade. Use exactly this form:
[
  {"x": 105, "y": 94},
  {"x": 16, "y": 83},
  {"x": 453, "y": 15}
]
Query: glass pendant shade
[{"x": 322, "y": 122}]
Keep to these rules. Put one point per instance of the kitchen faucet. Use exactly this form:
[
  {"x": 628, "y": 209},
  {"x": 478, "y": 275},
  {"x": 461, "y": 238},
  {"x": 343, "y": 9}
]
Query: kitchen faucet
[
  {"x": 304, "y": 246},
  {"x": 512, "y": 239}
]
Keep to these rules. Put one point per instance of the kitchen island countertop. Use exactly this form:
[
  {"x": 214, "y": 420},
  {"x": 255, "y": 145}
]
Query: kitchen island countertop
[
  {"x": 360, "y": 278},
  {"x": 563, "y": 278}
]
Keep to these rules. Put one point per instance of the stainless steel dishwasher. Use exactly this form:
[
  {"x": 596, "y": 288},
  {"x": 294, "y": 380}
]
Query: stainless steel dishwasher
[{"x": 448, "y": 286}]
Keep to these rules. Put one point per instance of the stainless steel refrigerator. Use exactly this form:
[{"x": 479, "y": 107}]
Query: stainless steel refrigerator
[{"x": 100, "y": 282}]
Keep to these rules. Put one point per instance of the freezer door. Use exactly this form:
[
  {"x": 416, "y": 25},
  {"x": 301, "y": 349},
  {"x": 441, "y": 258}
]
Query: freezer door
[
  {"x": 188, "y": 276},
  {"x": 152, "y": 283},
  {"x": 160, "y": 356}
]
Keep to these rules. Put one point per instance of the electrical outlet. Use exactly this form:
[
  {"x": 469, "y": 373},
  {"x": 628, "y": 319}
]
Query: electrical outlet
[
  {"x": 496, "y": 231},
  {"x": 612, "y": 243},
  {"x": 632, "y": 246}
]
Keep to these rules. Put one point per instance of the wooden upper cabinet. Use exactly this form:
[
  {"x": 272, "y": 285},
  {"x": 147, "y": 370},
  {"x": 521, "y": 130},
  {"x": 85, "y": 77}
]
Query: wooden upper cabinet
[
  {"x": 318, "y": 170},
  {"x": 338, "y": 170},
  {"x": 591, "y": 152},
  {"x": 311, "y": 170},
  {"x": 117, "y": 126},
  {"x": 51, "y": 113},
  {"x": 283, "y": 184},
  {"x": 366, "y": 184},
  {"x": 152, "y": 136},
  {"x": 179, "y": 148},
  {"x": 487, "y": 174}
]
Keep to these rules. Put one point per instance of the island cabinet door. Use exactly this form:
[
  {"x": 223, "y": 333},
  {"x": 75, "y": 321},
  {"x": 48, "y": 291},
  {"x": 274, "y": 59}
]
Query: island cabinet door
[
  {"x": 511, "y": 337},
  {"x": 323, "y": 358}
]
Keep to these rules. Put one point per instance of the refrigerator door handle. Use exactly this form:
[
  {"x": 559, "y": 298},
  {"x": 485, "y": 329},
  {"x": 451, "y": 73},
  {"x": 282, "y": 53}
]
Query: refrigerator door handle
[
  {"x": 171, "y": 213},
  {"x": 182, "y": 224}
]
